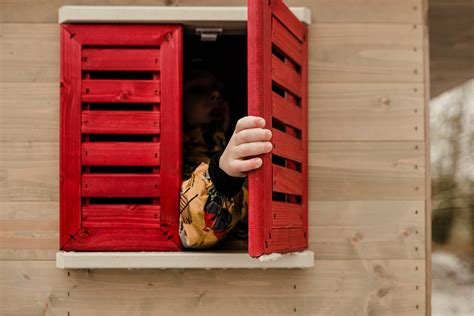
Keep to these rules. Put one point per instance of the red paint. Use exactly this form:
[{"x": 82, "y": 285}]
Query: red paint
[
  {"x": 101, "y": 148},
  {"x": 121, "y": 59},
  {"x": 121, "y": 122},
  {"x": 120, "y": 154},
  {"x": 280, "y": 225},
  {"x": 121, "y": 216},
  {"x": 121, "y": 91}
]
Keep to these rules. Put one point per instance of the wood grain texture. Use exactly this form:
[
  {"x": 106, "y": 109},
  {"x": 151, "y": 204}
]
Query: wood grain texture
[
  {"x": 286, "y": 111},
  {"x": 286, "y": 42},
  {"x": 259, "y": 60},
  {"x": 120, "y": 154},
  {"x": 121, "y": 216},
  {"x": 125, "y": 59},
  {"x": 337, "y": 111},
  {"x": 338, "y": 230},
  {"x": 29, "y": 112},
  {"x": 366, "y": 112},
  {"x": 121, "y": 239},
  {"x": 69, "y": 136},
  {"x": 428, "y": 194},
  {"x": 366, "y": 53},
  {"x": 345, "y": 53},
  {"x": 172, "y": 131},
  {"x": 287, "y": 146},
  {"x": 343, "y": 11},
  {"x": 364, "y": 170},
  {"x": 390, "y": 287},
  {"x": 287, "y": 181},
  {"x": 367, "y": 229},
  {"x": 30, "y": 171},
  {"x": 121, "y": 91},
  {"x": 35, "y": 53},
  {"x": 120, "y": 185},
  {"x": 120, "y": 122},
  {"x": 287, "y": 214},
  {"x": 285, "y": 76},
  {"x": 29, "y": 230}
]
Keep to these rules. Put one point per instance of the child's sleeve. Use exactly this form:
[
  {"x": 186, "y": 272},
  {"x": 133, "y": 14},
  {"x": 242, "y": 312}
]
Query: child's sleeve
[{"x": 211, "y": 204}]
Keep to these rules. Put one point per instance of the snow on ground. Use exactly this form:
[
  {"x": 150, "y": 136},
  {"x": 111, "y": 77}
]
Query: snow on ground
[{"x": 453, "y": 285}]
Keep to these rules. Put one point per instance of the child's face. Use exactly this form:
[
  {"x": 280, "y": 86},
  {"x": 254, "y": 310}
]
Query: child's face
[{"x": 203, "y": 101}]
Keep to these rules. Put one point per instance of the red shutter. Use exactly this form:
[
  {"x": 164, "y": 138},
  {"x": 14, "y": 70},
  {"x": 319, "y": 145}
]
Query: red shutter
[
  {"x": 120, "y": 155},
  {"x": 278, "y": 198}
]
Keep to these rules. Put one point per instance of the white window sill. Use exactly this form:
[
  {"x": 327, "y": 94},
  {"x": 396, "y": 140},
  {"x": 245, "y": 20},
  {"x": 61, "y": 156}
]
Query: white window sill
[
  {"x": 176, "y": 14},
  {"x": 178, "y": 260}
]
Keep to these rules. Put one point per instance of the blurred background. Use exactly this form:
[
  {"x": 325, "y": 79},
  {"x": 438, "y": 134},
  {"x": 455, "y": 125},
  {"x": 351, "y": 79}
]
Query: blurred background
[{"x": 451, "y": 25}]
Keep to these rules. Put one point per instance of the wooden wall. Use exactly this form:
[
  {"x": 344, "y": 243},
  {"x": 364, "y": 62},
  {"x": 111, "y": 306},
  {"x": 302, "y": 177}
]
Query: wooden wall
[{"x": 368, "y": 178}]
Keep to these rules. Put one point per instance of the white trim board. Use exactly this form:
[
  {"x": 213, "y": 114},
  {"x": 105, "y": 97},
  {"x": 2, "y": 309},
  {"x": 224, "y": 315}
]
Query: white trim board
[
  {"x": 149, "y": 14},
  {"x": 179, "y": 260}
]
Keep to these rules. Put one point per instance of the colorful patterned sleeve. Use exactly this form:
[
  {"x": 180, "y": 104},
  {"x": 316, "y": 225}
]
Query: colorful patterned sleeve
[{"x": 211, "y": 204}]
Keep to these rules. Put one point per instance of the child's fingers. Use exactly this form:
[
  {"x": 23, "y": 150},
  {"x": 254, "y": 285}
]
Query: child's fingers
[
  {"x": 252, "y": 135},
  {"x": 252, "y": 149},
  {"x": 249, "y": 122},
  {"x": 247, "y": 165}
]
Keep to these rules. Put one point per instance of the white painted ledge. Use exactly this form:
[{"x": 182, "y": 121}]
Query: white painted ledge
[
  {"x": 178, "y": 260},
  {"x": 134, "y": 14}
]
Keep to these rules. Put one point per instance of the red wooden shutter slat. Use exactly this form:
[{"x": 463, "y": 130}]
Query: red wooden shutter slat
[
  {"x": 120, "y": 154},
  {"x": 120, "y": 122},
  {"x": 122, "y": 239},
  {"x": 122, "y": 91},
  {"x": 284, "y": 239},
  {"x": 121, "y": 59},
  {"x": 286, "y": 111},
  {"x": 119, "y": 35},
  {"x": 288, "y": 19},
  {"x": 287, "y": 214},
  {"x": 287, "y": 146},
  {"x": 286, "y": 76},
  {"x": 121, "y": 185},
  {"x": 121, "y": 216},
  {"x": 286, "y": 42},
  {"x": 287, "y": 181}
]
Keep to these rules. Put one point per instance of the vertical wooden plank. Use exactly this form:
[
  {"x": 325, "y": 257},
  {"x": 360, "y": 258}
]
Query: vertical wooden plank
[
  {"x": 426, "y": 74},
  {"x": 260, "y": 104},
  {"x": 70, "y": 136},
  {"x": 171, "y": 129}
]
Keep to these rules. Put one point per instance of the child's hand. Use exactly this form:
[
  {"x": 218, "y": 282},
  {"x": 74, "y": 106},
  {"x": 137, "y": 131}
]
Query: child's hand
[{"x": 249, "y": 139}]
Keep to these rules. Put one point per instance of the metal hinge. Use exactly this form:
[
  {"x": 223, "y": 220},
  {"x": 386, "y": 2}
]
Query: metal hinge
[{"x": 209, "y": 34}]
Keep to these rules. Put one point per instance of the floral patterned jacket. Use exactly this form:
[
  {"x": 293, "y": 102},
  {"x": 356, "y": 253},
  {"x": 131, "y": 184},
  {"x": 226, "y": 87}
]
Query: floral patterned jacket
[{"x": 212, "y": 203}]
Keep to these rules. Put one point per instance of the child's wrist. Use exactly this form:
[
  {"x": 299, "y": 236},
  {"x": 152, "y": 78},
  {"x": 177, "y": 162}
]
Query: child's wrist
[{"x": 225, "y": 184}]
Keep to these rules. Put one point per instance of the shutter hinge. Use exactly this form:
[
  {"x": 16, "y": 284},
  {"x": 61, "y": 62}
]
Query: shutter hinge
[{"x": 209, "y": 34}]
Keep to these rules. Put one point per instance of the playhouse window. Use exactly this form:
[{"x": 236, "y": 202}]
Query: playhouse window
[{"x": 121, "y": 123}]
